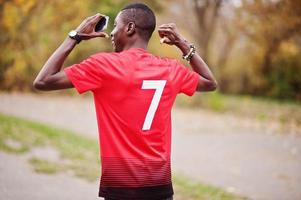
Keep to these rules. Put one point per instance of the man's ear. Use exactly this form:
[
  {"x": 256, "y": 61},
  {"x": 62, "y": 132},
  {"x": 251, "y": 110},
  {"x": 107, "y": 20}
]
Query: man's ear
[{"x": 131, "y": 28}]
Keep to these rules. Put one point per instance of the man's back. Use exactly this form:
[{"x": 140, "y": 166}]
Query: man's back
[{"x": 134, "y": 92}]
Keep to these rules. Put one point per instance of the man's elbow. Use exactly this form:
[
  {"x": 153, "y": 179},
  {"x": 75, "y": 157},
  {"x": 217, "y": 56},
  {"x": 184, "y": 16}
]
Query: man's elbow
[
  {"x": 207, "y": 85},
  {"x": 36, "y": 85},
  {"x": 212, "y": 86},
  {"x": 39, "y": 85}
]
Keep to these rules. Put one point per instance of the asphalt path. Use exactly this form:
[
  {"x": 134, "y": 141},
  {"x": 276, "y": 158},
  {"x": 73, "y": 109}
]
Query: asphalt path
[{"x": 239, "y": 154}]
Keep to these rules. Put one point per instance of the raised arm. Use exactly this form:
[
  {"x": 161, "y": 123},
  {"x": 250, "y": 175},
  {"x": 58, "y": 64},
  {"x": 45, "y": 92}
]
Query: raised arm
[
  {"x": 51, "y": 77},
  {"x": 170, "y": 35}
]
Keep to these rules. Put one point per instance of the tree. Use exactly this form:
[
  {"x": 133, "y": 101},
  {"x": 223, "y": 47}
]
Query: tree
[
  {"x": 271, "y": 24},
  {"x": 33, "y": 29},
  {"x": 207, "y": 12},
  {"x": 274, "y": 22}
]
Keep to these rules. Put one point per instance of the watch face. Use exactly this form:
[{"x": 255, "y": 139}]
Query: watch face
[{"x": 72, "y": 33}]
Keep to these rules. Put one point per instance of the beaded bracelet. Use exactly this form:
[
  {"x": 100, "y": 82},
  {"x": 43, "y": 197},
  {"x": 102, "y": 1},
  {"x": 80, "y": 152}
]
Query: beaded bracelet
[{"x": 190, "y": 53}]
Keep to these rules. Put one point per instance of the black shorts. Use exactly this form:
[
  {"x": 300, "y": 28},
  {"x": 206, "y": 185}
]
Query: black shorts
[
  {"x": 169, "y": 198},
  {"x": 160, "y": 192}
]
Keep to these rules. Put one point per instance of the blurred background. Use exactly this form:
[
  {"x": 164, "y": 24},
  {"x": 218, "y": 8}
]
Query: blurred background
[
  {"x": 243, "y": 140},
  {"x": 252, "y": 46}
]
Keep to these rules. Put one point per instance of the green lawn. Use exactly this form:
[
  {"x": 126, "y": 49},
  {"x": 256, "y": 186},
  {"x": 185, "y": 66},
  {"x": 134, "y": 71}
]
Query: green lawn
[
  {"x": 80, "y": 156},
  {"x": 262, "y": 109}
]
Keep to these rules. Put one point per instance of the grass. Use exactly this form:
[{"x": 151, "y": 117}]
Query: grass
[
  {"x": 80, "y": 155},
  {"x": 45, "y": 166},
  {"x": 261, "y": 109},
  {"x": 195, "y": 190}
]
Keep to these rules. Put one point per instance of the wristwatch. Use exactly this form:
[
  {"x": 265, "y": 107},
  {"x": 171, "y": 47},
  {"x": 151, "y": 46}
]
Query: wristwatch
[{"x": 74, "y": 35}]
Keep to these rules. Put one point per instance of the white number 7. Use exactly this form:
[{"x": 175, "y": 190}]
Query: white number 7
[{"x": 158, "y": 85}]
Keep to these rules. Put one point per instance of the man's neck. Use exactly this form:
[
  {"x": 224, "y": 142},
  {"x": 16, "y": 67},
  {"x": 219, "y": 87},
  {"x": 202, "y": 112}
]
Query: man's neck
[{"x": 136, "y": 44}]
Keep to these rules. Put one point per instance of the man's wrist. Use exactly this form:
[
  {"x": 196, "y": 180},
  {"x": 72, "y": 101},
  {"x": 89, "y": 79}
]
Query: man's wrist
[
  {"x": 68, "y": 44},
  {"x": 71, "y": 41},
  {"x": 184, "y": 46}
]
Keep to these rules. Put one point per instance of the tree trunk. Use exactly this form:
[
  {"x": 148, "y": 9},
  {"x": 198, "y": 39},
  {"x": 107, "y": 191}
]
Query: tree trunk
[{"x": 206, "y": 13}]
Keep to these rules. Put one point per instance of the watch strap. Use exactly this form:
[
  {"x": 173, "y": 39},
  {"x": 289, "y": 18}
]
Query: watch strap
[{"x": 76, "y": 37}]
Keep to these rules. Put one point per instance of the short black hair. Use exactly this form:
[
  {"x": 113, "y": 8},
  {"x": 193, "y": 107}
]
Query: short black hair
[{"x": 143, "y": 17}]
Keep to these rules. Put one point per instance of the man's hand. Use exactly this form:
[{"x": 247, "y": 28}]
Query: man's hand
[
  {"x": 86, "y": 30},
  {"x": 169, "y": 34},
  {"x": 51, "y": 77}
]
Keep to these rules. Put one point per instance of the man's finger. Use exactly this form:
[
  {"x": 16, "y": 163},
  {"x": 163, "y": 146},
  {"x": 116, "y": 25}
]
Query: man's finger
[
  {"x": 165, "y": 28},
  {"x": 165, "y": 40},
  {"x": 92, "y": 18},
  {"x": 96, "y": 18},
  {"x": 170, "y": 25},
  {"x": 101, "y": 34},
  {"x": 86, "y": 36},
  {"x": 165, "y": 31},
  {"x": 167, "y": 24}
]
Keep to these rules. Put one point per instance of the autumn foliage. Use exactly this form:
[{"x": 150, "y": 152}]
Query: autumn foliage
[{"x": 253, "y": 46}]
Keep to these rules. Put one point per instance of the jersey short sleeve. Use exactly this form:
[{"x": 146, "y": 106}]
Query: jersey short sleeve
[
  {"x": 89, "y": 74},
  {"x": 187, "y": 79}
]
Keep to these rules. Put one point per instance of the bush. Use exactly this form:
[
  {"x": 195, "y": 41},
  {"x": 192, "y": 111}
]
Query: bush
[{"x": 285, "y": 79}]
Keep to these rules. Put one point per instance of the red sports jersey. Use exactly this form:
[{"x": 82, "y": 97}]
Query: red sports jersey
[{"x": 133, "y": 93}]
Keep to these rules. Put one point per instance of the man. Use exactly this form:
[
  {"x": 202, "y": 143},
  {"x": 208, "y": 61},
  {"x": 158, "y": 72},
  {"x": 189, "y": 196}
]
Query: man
[{"x": 133, "y": 93}]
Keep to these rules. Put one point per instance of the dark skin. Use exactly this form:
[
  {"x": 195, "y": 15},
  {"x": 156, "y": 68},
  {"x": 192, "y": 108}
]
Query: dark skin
[{"x": 124, "y": 36}]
